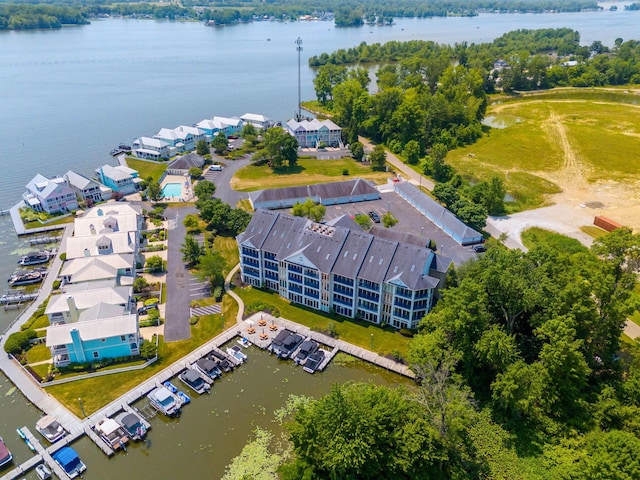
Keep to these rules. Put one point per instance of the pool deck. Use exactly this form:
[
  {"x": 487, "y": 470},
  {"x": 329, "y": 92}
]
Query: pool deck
[{"x": 186, "y": 194}]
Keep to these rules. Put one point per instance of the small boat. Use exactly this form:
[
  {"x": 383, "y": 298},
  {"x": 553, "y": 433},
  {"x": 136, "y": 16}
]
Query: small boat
[
  {"x": 244, "y": 342},
  {"x": 5, "y": 454},
  {"x": 28, "y": 278},
  {"x": 307, "y": 348},
  {"x": 43, "y": 471},
  {"x": 133, "y": 425},
  {"x": 70, "y": 462},
  {"x": 186, "y": 399},
  {"x": 112, "y": 433},
  {"x": 35, "y": 258},
  {"x": 208, "y": 366},
  {"x": 50, "y": 429},
  {"x": 195, "y": 381},
  {"x": 236, "y": 353},
  {"x": 22, "y": 435},
  {"x": 165, "y": 401},
  {"x": 313, "y": 362},
  {"x": 225, "y": 365},
  {"x": 170, "y": 386}
]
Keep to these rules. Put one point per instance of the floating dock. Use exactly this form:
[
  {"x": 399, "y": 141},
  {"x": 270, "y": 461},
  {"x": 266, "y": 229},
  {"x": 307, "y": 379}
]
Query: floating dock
[
  {"x": 12, "y": 297},
  {"x": 45, "y": 240}
]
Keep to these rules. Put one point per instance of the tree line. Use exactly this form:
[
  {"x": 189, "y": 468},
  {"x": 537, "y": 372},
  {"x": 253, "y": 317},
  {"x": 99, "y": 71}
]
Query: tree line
[{"x": 26, "y": 17}]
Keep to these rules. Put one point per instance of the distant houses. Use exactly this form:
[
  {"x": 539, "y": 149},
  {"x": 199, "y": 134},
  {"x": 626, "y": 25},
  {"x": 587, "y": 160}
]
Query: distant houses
[
  {"x": 151, "y": 148},
  {"x": 120, "y": 179},
  {"x": 315, "y": 133},
  {"x": 87, "y": 189},
  {"x": 95, "y": 317}
]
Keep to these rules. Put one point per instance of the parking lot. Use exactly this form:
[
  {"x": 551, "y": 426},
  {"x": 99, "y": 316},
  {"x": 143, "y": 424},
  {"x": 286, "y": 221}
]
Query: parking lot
[{"x": 409, "y": 221}]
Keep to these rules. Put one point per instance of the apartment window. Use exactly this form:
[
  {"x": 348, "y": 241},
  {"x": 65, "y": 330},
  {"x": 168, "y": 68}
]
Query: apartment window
[
  {"x": 96, "y": 355},
  {"x": 123, "y": 338},
  {"x": 103, "y": 340}
]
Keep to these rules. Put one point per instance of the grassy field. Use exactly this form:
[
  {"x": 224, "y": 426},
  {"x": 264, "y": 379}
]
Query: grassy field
[
  {"x": 535, "y": 236},
  {"x": 147, "y": 169},
  {"x": 601, "y": 127},
  {"x": 306, "y": 172},
  {"x": 363, "y": 334},
  {"x": 593, "y": 231}
]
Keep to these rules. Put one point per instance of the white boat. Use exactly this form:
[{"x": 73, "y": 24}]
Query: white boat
[
  {"x": 50, "y": 429},
  {"x": 112, "y": 433},
  {"x": 43, "y": 471},
  {"x": 236, "y": 353},
  {"x": 70, "y": 462},
  {"x": 244, "y": 342},
  {"x": 26, "y": 278},
  {"x": 166, "y": 402},
  {"x": 35, "y": 258},
  {"x": 135, "y": 426}
]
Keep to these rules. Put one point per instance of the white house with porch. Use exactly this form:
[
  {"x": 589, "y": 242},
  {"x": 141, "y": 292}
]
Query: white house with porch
[
  {"x": 45, "y": 195},
  {"x": 313, "y": 133}
]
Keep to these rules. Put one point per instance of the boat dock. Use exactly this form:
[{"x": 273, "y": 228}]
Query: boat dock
[
  {"x": 16, "y": 296},
  {"x": 41, "y": 455},
  {"x": 40, "y": 240}
]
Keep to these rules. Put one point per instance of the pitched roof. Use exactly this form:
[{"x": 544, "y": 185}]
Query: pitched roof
[
  {"x": 323, "y": 191},
  {"x": 254, "y": 117},
  {"x": 89, "y": 298},
  {"x": 186, "y": 162},
  {"x": 43, "y": 187},
  {"x": 398, "y": 236},
  {"x": 120, "y": 242},
  {"x": 410, "y": 267},
  {"x": 107, "y": 224},
  {"x": 112, "y": 209},
  {"x": 154, "y": 143},
  {"x": 92, "y": 330},
  {"x": 95, "y": 268},
  {"x": 311, "y": 125},
  {"x": 79, "y": 181},
  {"x": 116, "y": 173}
]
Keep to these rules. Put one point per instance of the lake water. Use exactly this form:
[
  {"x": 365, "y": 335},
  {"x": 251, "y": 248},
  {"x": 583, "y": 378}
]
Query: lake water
[{"x": 67, "y": 97}]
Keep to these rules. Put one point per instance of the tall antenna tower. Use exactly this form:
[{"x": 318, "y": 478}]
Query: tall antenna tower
[{"x": 298, "y": 42}]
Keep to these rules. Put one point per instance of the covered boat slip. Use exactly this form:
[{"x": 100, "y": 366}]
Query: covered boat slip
[{"x": 112, "y": 433}]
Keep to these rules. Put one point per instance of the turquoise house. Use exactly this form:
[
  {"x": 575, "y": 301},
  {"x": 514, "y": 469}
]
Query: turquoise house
[{"x": 100, "y": 333}]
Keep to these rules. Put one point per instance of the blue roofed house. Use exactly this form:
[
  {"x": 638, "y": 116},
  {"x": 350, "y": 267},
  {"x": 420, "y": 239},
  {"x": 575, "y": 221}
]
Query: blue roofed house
[
  {"x": 314, "y": 133},
  {"x": 151, "y": 148},
  {"x": 51, "y": 196},
  {"x": 182, "y": 138},
  {"x": 85, "y": 188},
  {"x": 120, "y": 179}
]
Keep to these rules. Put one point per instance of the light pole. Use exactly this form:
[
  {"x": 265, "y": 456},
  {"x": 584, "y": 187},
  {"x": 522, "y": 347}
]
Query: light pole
[
  {"x": 298, "y": 43},
  {"x": 81, "y": 407},
  {"x": 371, "y": 343}
]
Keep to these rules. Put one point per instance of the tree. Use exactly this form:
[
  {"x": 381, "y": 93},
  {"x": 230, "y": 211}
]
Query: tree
[
  {"x": 154, "y": 264},
  {"x": 357, "y": 150},
  {"x": 204, "y": 189},
  {"x": 281, "y": 147},
  {"x": 412, "y": 152},
  {"x": 446, "y": 193},
  {"x": 237, "y": 221},
  {"x": 220, "y": 142},
  {"x": 191, "y": 221},
  {"x": 191, "y": 250},
  {"x": 378, "y": 158},
  {"x": 309, "y": 209},
  {"x": 363, "y": 220},
  {"x": 139, "y": 284},
  {"x": 388, "y": 220},
  {"x": 248, "y": 131},
  {"x": 148, "y": 349},
  {"x": 471, "y": 213},
  {"x": 202, "y": 148},
  {"x": 494, "y": 198},
  {"x": 154, "y": 190},
  {"x": 327, "y": 77},
  {"x": 210, "y": 268},
  {"x": 195, "y": 172}
]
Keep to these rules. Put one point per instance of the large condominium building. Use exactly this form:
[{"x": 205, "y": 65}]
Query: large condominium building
[{"x": 338, "y": 267}]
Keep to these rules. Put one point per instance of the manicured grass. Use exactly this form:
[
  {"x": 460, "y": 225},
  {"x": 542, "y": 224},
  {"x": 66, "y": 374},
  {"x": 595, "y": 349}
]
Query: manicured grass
[
  {"x": 244, "y": 204},
  {"x": 315, "y": 107},
  {"x": 228, "y": 248},
  {"x": 530, "y": 146},
  {"x": 535, "y": 236},
  {"x": 37, "y": 224},
  {"x": 41, "y": 322},
  {"x": 41, "y": 370},
  {"x": 362, "y": 334},
  {"x": 635, "y": 318},
  {"x": 38, "y": 353},
  {"x": 99, "y": 391},
  {"x": 593, "y": 231},
  {"x": 306, "y": 172},
  {"x": 147, "y": 169}
]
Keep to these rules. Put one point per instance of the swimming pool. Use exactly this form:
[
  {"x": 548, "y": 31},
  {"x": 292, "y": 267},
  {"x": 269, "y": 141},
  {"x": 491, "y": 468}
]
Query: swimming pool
[{"x": 172, "y": 190}]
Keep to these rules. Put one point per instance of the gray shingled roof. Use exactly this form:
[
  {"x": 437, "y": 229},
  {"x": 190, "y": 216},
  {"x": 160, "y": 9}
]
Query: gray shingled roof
[
  {"x": 323, "y": 191},
  {"x": 352, "y": 254},
  {"x": 377, "y": 261},
  {"x": 410, "y": 266},
  {"x": 186, "y": 162},
  {"x": 257, "y": 231},
  {"x": 398, "y": 236}
]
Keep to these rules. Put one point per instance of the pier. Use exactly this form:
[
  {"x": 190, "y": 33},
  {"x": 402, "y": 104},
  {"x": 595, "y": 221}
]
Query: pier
[{"x": 16, "y": 296}]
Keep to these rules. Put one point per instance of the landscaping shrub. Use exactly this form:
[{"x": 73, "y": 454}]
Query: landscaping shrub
[
  {"x": 217, "y": 293},
  {"x": 18, "y": 341},
  {"x": 193, "y": 320},
  {"x": 405, "y": 332},
  {"x": 255, "y": 307},
  {"x": 56, "y": 284},
  {"x": 151, "y": 301}
]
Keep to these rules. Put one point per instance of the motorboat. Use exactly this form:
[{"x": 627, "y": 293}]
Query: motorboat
[
  {"x": 170, "y": 386},
  {"x": 208, "y": 366},
  {"x": 112, "y": 433},
  {"x": 133, "y": 424},
  {"x": 195, "y": 380},
  {"x": 35, "y": 258},
  {"x": 288, "y": 345},
  {"x": 244, "y": 342},
  {"x": 165, "y": 401},
  {"x": 313, "y": 362},
  {"x": 28, "y": 278},
  {"x": 70, "y": 462},
  {"x": 236, "y": 352},
  {"x": 186, "y": 399},
  {"x": 50, "y": 429},
  {"x": 306, "y": 348},
  {"x": 225, "y": 365},
  {"x": 5, "y": 454},
  {"x": 43, "y": 471}
]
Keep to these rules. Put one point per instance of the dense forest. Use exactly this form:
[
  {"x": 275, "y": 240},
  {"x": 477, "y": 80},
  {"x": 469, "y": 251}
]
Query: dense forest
[
  {"x": 221, "y": 12},
  {"x": 521, "y": 375}
]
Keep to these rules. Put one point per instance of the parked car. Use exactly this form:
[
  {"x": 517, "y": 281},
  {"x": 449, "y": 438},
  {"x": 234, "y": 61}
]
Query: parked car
[
  {"x": 374, "y": 216},
  {"x": 479, "y": 248},
  {"x": 144, "y": 310}
]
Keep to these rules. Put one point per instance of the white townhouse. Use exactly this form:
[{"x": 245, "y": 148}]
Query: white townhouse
[
  {"x": 116, "y": 269},
  {"x": 150, "y": 148},
  {"x": 85, "y": 188},
  {"x": 182, "y": 138},
  {"x": 313, "y": 133},
  {"x": 66, "y": 307},
  {"x": 120, "y": 179},
  {"x": 259, "y": 121},
  {"x": 339, "y": 267},
  {"x": 51, "y": 196},
  {"x": 228, "y": 126}
]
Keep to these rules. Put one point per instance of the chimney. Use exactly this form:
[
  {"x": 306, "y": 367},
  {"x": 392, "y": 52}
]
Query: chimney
[{"x": 73, "y": 310}]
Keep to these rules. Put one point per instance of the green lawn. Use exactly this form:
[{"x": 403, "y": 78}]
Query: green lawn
[
  {"x": 306, "y": 172},
  {"x": 529, "y": 146},
  {"x": 362, "y": 334},
  {"x": 147, "y": 169},
  {"x": 38, "y": 353},
  {"x": 593, "y": 231},
  {"x": 535, "y": 236}
]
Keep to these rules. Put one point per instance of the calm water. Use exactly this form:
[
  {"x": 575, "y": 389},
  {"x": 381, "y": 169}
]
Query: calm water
[{"x": 67, "y": 97}]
